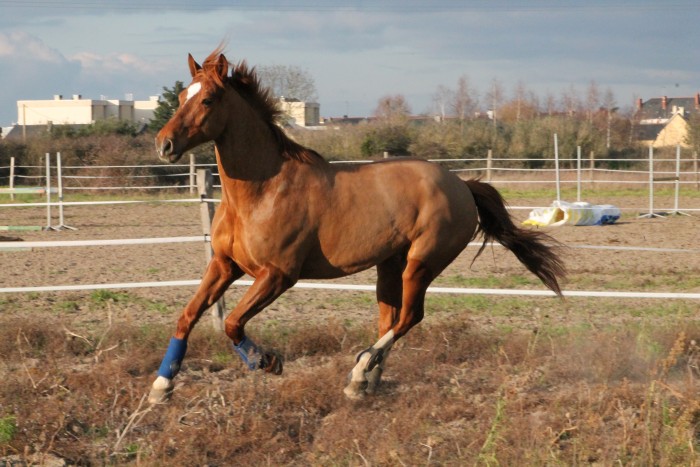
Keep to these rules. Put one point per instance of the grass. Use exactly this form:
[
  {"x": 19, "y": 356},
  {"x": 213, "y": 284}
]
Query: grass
[
  {"x": 127, "y": 195},
  {"x": 8, "y": 429},
  {"x": 566, "y": 395}
]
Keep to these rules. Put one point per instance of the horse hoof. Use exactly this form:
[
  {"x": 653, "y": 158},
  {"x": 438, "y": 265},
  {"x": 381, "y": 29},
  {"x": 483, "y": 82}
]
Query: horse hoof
[
  {"x": 161, "y": 391},
  {"x": 355, "y": 390},
  {"x": 374, "y": 379},
  {"x": 274, "y": 364}
]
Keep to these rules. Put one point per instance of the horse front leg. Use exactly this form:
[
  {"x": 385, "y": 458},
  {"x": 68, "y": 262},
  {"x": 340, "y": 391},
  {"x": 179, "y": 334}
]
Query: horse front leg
[
  {"x": 269, "y": 284},
  {"x": 219, "y": 275}
]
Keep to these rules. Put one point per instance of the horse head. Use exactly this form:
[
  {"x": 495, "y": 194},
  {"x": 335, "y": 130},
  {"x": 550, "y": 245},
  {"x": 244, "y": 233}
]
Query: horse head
[{"x": 201, "y": 115}]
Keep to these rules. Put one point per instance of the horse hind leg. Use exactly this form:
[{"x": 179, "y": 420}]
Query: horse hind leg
[
  {"x": 389, "y": 300},
  {"x": 220, "y": 273}
]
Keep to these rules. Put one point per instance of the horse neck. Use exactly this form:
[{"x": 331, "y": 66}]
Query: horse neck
[{"x": 247, "y": 152}]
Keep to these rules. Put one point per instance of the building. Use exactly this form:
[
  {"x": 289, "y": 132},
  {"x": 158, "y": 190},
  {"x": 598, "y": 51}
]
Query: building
[
  {"x": 79, "y": 111},
  {"x": 663, "y": 121},
  {"x": 304, "y": 114}
]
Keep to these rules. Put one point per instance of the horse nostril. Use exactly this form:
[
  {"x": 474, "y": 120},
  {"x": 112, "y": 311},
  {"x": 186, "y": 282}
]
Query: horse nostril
[
  {"x": 164, "y": 148},
  {"x": 167, "y": 148}
]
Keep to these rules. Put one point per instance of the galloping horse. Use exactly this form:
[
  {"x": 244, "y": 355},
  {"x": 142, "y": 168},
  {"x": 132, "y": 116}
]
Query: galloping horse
[{"x": 287, "y": 214}]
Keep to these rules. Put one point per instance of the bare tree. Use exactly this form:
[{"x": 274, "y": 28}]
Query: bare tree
[
  {"x": 288, "y": 81},
  {"x": 441, "y": 99},
  {"x": 550, "y": 103},
  {"x": 465, "y": 99},
  {"x": 495, "y": 98},
  {"x": 570, "y": 101},
  {"x": 392, "y": 109},
  {"x": 592, "y": 100},
  {"x": 610, "y": 106}
]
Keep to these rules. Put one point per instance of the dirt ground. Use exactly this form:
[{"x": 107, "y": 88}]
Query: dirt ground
[
  {"x": 589, "y": 269},
  {"x": 510, "y": 379}
]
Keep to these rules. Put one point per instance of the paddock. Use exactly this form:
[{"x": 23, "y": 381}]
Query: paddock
[{"x": 511, "y": 361}]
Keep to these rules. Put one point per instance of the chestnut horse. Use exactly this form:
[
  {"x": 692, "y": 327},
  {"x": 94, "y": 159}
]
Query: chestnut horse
[{"x": 287, "y": 214}]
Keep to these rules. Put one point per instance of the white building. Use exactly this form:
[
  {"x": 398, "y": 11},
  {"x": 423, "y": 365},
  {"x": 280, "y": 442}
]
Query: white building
[
  {"x": 300, "y": 113},
  {"x": 79, "y": 111}
]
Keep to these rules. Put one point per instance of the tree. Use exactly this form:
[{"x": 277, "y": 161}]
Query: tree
[
  {"x": 441, "y": 98},
  {"x": 592, "y": 100},
  {"x": 465, "y": 100},
  {"x": 392, "y": 110},
  {"x": 495, "y": 98},
  {"x": 290, "y": 81},
  {"x": 167, "y": 106},
  {"x": 610, "y": 107}
]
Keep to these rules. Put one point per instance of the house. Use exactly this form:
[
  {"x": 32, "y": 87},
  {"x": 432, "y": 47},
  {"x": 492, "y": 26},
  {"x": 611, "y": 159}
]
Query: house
[{"x": 663, "y": 121}]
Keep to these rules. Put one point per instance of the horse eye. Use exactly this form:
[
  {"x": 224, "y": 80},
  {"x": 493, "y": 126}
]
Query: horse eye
[{"x": 207, "y": 101}]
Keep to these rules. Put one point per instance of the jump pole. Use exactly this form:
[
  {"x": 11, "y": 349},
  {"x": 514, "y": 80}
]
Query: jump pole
[
  {"x": 59, "y": 175},
  {"x": 23, "y": 191}
]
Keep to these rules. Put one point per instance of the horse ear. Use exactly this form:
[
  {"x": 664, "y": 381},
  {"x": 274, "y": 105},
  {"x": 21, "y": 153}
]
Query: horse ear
[
  {"x": 222, "y": 67},
  {"x": 194, "y": 66}
]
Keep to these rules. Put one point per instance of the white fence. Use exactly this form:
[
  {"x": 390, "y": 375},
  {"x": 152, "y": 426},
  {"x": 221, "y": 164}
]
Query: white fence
[
  {"x": 581, "y": 172},
  {"x": 204, "y": 188},
  {"x": 332, "y": 286}
]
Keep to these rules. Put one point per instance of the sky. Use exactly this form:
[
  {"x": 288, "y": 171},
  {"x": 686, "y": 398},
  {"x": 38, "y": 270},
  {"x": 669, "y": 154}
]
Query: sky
[{"x": 356, "y": 52}]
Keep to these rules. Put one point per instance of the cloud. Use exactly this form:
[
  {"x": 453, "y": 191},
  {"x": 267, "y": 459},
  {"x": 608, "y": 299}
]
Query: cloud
[
  {"x": 30, "y": 69},
  {"x": 23, "y": 46}
]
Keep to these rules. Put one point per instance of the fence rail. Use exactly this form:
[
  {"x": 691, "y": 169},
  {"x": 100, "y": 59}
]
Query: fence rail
[{"x": 581, "y": 172}]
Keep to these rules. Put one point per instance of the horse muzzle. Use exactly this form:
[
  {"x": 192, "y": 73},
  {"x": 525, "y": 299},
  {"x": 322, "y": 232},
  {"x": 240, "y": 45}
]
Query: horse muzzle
[{"x": 166, "y": 150}]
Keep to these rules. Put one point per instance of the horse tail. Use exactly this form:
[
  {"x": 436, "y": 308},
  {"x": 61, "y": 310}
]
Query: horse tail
[{"x": 536, "y": 250}]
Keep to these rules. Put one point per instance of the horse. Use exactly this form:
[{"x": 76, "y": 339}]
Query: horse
[{"x": 288, "y": 214}]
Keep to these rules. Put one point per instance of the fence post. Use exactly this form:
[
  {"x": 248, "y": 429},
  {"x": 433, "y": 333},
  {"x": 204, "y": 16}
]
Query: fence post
[
  {"x": 205, "y": 184},
  {"x": 12, "y": 177},
  {"x": 489, "y": 165},
  {"x": 59, "y": 181},
  {"x": 192, "y": 174},
  {"x": 556, "y": 166},
  {"x": 651, "y": 214},
  {"x": 677, "y": 183},
  {"x": 592, "y": 168},
  {"x": 695, "y": 169},
  {"x": 578, "y": 173},
  {"x": 48, "y": 192}
]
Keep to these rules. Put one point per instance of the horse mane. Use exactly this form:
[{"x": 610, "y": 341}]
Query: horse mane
[{"x": 246, "y": 82}]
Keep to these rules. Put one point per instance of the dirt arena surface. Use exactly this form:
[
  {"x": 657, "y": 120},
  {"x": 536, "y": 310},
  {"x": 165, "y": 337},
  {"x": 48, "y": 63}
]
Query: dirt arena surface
[
  {"x": 483, "y": 380},
  {"x": 589, "y": 269}
]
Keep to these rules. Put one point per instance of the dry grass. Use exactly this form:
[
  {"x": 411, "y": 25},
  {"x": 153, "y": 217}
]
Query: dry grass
[{"x": 453, "y": 395}]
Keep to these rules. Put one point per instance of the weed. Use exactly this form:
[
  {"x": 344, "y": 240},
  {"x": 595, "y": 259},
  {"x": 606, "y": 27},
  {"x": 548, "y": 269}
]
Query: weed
[
  {"x": 489, "y": 449},
  {"x": 103, "y": 296},
  {"x": 67, "y": 306},
  {"x": 8, "y": 429}
]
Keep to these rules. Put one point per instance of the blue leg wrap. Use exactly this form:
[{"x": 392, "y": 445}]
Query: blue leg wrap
[
  {"x": 173, "y": 358},
  {"x": 249, "y": 353}
]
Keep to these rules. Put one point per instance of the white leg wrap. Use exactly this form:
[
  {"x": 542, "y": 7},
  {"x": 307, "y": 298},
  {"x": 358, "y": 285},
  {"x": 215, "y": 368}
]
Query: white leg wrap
[{"x": 359, "y": 376}]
